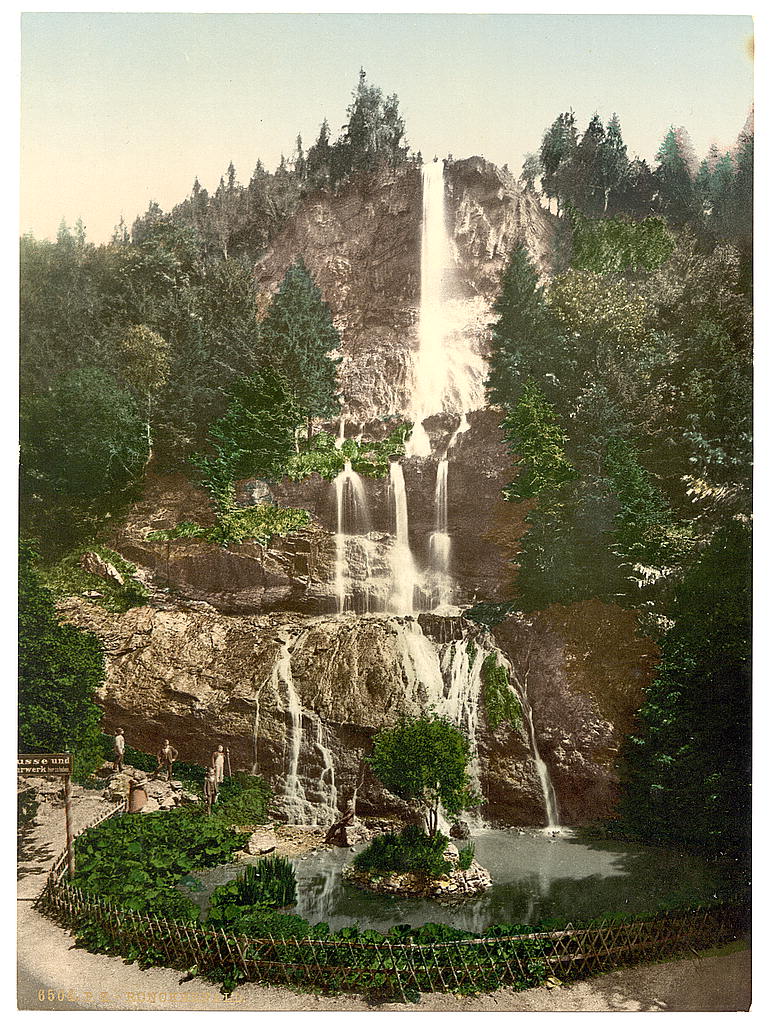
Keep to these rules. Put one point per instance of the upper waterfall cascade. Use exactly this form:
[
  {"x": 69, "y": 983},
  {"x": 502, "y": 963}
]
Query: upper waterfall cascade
[{"x": 447, "y": 376}]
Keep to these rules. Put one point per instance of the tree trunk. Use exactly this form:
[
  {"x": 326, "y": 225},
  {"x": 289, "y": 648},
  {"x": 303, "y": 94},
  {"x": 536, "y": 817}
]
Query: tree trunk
[{"x": 310, "y": 428}]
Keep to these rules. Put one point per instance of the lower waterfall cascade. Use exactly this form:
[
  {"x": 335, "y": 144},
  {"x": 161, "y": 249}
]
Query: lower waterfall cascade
[{"x": 444, "y": 675}]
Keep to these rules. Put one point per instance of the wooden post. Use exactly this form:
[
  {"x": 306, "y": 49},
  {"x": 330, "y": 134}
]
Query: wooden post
[{"x": 68, "y": 824}]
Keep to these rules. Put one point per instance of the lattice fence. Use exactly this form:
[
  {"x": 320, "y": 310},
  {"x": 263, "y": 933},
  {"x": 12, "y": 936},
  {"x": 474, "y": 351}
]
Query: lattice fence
[{"x": 395, "y": 969}]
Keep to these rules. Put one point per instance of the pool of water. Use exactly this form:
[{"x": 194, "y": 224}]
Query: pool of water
[{"x": 536, "y": 876}]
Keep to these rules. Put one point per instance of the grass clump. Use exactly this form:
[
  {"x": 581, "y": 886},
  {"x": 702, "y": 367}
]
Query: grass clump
[
  {"x": 267, "y": 885},
  {"x": 465, "y": 856},
  {"x": 407, "y": 851}
]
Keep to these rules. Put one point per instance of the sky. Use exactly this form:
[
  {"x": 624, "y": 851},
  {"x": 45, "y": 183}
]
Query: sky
[{"x": 121, "y": 109}]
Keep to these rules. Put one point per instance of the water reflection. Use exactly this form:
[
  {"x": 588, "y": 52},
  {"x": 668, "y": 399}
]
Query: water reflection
[{"x": 536, "y": 877}]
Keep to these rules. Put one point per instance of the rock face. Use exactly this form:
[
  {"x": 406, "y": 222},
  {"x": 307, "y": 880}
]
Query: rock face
[
  {"x": 585, "y": 669},
  {"x": 362, "y": 247},
  {"x": 298, "y": 699}
]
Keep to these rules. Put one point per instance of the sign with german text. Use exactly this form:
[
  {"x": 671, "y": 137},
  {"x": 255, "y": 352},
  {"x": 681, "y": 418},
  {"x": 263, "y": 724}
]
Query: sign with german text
[{"x": 45, "y": 764}]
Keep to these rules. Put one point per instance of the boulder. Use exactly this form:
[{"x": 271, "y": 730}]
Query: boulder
[{"x": 95, "y": 564}]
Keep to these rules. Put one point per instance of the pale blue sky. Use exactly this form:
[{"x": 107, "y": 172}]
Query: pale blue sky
[{"x": 119, "y": 109}]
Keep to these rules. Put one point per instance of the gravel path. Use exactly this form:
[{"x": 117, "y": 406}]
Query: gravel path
[{"x": 54, "y": 975}]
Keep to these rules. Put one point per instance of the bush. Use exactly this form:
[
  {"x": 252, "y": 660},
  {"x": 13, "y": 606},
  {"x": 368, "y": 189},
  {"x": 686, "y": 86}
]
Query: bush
[
  {"x": 244, "y": 800},
  {"x": 409, "y": 850},
  {"x": 67, "y": 576},
  {"x": 368, "y": 458},
  {"x": 465, "y": 856},
  {"x": 500, "y": 703},
  {"x": 259, "y": 523}
]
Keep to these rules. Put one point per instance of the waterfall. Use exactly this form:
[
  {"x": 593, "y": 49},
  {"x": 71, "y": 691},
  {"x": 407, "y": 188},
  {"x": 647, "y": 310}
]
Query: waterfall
[
  {"x": 405, "y": 577},
  {"x": 430, "y": 369},
  {"x": 294, "y": 799},
  {"x": 549, "y": 796},
  {"x": 352, "y": 545}
]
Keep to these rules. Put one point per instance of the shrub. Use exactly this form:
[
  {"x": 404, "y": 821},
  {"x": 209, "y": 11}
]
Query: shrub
[
  {"x": 368, "y": 458},
  {"x": 500, "y": 703},
  {"x": 259, "y": 523},
  {"x": 244, "y": 800},
  {"x": 465, "y": 856},
  {"x": 409, "y": 850},
  {"x": 67, "y": 576},
  {"x": 426, "y": 759}
]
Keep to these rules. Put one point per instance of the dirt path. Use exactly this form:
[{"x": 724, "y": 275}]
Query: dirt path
[{"x": 54, "y": 975}]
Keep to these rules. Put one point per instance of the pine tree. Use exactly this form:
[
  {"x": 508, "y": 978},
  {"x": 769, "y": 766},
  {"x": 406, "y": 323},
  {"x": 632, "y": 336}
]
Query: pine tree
[
  {"x": 615, "y": 162},
  {"x": 675, "y": 176},
  {"x": 557, "y": 150},
  {"x": 521, "y": 332},
  {"x": 298, "y": 338}
]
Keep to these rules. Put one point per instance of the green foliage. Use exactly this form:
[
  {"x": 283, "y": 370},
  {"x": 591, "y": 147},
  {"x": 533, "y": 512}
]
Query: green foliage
[
  {"x": 466, "y": 856},
  {"x": 410, "y": 850},
  {"x": 614, "y": 245},
  {"x": 83, "y": 438},
  {"x": 254, "y": 438},
  {"x": 60, "y": 669},
  {"x": 533, "y": 433},
  {"x": 489, "y": 613},
  {"x": 373, "y": 135},
  {"x": 368, "y": 458},
  {"x": 136, "y": 859},
  {"x": 67, "y": 577},
  {"x": 501, "y": 705},
  {"x": 266, "y": 885},
  {"x": 83, "y": 445},
  {"x": 298, "y": 338},
  {"x": 425, "y": 759},
  {"x": 522, "y": 331},
  {"x": 686, "y": 769},
  {"x": 259, "y": 523},
  {"x": 243, "y": 800}
]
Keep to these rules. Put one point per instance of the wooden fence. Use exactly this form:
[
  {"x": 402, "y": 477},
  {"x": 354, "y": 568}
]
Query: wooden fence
[{"x": 390, "y": 968}]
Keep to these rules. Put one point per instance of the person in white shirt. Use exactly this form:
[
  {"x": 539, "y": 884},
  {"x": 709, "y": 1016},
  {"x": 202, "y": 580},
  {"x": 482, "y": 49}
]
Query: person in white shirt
[{"x": 119, "y": 749}]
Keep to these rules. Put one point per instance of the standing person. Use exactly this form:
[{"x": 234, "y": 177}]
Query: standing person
[
  {"x": 210, "y": 789},
  {"x": 118, "y": 750},
  {"x": 218, "y": 763},
  {"x": 167, "y": 755}
]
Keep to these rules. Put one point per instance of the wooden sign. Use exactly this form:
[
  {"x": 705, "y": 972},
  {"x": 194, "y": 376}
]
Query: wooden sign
[{"x": 45, "y": 764}]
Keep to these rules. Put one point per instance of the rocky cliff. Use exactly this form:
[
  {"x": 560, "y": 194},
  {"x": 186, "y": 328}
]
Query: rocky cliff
[
  {"x": 363, "y": 249},
  {"x": 298, "y": 699}
]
